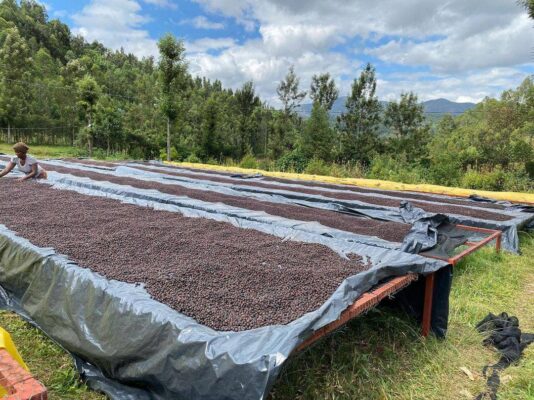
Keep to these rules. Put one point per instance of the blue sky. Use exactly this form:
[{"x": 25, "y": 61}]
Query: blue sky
[{"x": 459, "y": 50}]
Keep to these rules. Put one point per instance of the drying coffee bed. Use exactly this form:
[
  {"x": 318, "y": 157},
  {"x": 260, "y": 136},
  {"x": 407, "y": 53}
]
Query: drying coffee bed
[
  {"x": 376, "y": 200},
  {"x": 224, "y": 277},
  {"x": 315, "y": 187},
  {"x": 390, "y": 231}
]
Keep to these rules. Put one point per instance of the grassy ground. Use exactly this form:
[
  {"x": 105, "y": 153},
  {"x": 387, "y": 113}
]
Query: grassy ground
[
  {"x": 44, "y": 151},
  {"x": 377, "y": 356}
]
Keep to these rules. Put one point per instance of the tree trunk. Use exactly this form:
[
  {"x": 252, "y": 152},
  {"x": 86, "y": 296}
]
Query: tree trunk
[
  {"x": 90, "y": 141},
  {"x": 168, "y": 139},
  {"x": 8, "y": 132}
]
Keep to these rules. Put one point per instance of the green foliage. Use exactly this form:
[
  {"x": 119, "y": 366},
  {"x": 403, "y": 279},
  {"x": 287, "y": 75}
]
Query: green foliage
[
  {"x": 316, "y": 166},
  {"x": 358, "y": 126},
  {"x": 498, "y": 179},
  {"x": 410, "y": 130},
  {"x": 192, "y": 158},
  {"x": 324, "y": 91},
  {"x": 77, "y": 93},
  {"x": 288, "y": 91},
  {"x": 293, "y": 161},
  {"x": 396, "y": 169},
  {"x": 318, "y": 136},
  {"x": 175, "y": 156},
  {"x": 248, "y": 162}
]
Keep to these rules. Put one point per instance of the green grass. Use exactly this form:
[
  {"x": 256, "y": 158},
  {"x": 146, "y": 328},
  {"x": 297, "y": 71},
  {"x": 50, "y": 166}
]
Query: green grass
[
  {"x": 64, "y": 152},
  {"x": 382, "y": 356},
  {"x": 45, "y": 151},
  {"x": 48, "y": 362},
  {"x": 377, "y": 356}
]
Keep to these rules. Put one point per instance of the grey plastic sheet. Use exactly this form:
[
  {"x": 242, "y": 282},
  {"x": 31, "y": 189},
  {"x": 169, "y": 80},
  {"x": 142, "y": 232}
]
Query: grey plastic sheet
[
  {"x": 510, "y": 239},
  {"x": 135, "y": 347},
  {"x": 430, "y": 198}
]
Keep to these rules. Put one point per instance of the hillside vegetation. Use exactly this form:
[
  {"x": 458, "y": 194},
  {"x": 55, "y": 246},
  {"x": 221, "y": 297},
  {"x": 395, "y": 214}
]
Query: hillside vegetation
[{"x": 57, "y": 89}]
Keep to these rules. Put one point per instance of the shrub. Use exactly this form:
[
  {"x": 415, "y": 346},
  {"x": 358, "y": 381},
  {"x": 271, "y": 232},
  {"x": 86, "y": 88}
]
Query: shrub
[
  {"x": 192, "y": 158},
  {"x": 248, "y": 162},
  {"x": 266, "y": 164},
  {"x": 174, "y": 154},
  {"x": 294, "y": 161},
  {"x": 398, "y": 170},
  {"x": 485, "y": 180},
  {"x": 317, "y": 166}
]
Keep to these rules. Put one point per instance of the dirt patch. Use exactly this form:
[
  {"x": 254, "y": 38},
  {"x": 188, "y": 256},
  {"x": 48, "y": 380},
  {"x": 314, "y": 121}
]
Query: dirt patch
[{"x": 224, "y": 277}]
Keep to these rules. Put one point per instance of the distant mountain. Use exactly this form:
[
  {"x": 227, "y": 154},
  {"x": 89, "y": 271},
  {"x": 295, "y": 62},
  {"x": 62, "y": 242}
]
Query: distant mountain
[{"x": 434, "y": 109}]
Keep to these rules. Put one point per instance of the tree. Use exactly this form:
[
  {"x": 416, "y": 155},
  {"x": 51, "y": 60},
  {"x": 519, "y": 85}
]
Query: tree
[
  {"x": 89, "y": 92},
  {"x": 323, "y": 90},
  {"x": 529, "y": 5},
  {"x": 15, "y": 71},
  {"x": 247, "y": 102},
  {"x": 359, "y": 124},
  {"x": 211, "y": 143},
  {"x": 172, "y": 67},
  {"x": 407, "y": 122},
  {"x": 288, "y": 91},
  {"x": 317, "y": 136}
]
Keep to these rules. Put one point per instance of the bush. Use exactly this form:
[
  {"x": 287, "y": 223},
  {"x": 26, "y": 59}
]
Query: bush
[
  {"x": 317, "y": 166},
  {"x": 192, "y": 158},
  {"x": 99, "y": 154},
  {"x": 485, "y": 180},
  {"x": 266, "y": 164},
  {"x": 387, "y": 168},
  {"x": 497, "y": 179},
  {"x": 174, "y": 154},
  {"x": 348, "y": 170},
  {"x": 248, "y": 162},
  {"x": 294, "y": 161}
]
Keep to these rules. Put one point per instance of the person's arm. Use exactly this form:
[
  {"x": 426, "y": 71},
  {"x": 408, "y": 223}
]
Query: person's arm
[
  {"x": 9, "y": 167},
  {"x": 35, "y": 170}
]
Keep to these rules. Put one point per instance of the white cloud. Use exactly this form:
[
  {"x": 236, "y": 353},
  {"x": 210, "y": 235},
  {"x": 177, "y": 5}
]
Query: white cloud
[
  {"x": 470, "y": 49},
  {"x": 505, "y": 46},
  {"x": 162, "y": 3},
  {"x": 117, "y": 24},
  {"x": 201, "y": 22},
  {"x": 471, "y": 87},
  {"x": 206, "y": 44}
]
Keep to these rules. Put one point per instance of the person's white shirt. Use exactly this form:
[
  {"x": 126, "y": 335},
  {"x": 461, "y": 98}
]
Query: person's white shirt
[{"x": 28, "y": 163}]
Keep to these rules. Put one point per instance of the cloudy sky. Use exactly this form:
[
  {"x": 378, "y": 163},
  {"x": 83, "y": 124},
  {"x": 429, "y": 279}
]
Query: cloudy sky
[{"x": 462, "y": 50}]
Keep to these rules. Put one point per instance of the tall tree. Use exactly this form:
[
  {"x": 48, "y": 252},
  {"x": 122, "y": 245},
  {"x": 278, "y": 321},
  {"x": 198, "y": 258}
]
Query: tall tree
[
  {"x": 172, "y": 67},
  {"x": 324, "y": 91},
  {"x": 317, "y": 136},
  {"x": 15, "y": 73},
  {"x": 407, "y": 122},
  {"x": 247, "y": 102},
  {"x": 359, "y": 124},
  {"x": 89, "y": 92},
  {"x": 289, "y": 93}
]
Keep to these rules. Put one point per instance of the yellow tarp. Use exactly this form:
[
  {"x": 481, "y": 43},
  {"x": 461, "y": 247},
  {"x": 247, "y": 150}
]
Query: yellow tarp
[
  {"x": 515, "y": 197},
  {"x": 7, "y": 343}
]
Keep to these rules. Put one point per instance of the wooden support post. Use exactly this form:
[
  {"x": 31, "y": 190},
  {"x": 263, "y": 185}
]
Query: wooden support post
[{"x": 427, "y": 306}]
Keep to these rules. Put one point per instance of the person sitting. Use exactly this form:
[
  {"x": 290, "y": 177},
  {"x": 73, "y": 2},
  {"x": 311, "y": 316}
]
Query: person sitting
[{"x": 25, "y": 163}]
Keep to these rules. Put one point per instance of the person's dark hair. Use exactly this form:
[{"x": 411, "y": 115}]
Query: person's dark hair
[{"x": 21, "y": 147}]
